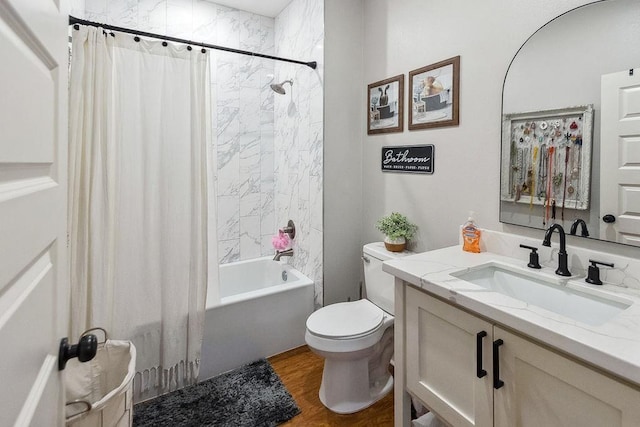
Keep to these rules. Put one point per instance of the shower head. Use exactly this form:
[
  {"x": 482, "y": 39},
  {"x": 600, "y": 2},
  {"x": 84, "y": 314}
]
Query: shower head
[{"x": 279, "y": 87}]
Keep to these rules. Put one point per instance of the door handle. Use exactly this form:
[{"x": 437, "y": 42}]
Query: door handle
[
  {"x": 85, "y": 350},
  {"x": 479, "y": 371},
  {"x": 497, "y": 382},
  {"x": 609, "y": 219}
]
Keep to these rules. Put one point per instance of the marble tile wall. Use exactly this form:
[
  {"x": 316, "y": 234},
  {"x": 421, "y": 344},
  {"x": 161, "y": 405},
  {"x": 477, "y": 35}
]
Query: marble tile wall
[
  {"x": 298, "y": 144},
  {"x": 242, "y": 114}
]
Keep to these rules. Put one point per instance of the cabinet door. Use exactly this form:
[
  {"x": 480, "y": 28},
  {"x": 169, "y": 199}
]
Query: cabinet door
[
  {"x": 442, "y": 363},
  {"x": 544, "y": 388}
]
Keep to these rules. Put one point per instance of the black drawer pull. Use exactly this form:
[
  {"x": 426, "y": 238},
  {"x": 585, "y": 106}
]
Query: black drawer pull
[
  {"x": 497, "y": 382},
  {"x": 479, "y": 371}
]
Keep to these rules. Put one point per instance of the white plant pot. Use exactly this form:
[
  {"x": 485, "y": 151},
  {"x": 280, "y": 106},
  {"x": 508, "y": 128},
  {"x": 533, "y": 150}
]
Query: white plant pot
[{"x": 395, "y": 245}]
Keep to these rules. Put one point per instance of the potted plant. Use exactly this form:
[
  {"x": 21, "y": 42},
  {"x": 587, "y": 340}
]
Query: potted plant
[{"x": 397, "y": 230}]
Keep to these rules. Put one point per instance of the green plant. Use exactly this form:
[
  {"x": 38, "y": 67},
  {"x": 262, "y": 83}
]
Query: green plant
[{"x": 396, "y": 225}]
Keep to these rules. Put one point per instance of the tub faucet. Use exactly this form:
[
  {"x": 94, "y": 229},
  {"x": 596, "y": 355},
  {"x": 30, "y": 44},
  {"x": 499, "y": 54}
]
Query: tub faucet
[
  {"x": 562, "y": 270},
  {"x": 583, "y": 228},
  {"x": 280, "y": 254}
]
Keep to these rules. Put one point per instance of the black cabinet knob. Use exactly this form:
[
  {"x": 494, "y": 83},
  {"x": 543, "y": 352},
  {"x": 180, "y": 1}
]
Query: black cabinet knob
[{"x": 609, "y": 219}]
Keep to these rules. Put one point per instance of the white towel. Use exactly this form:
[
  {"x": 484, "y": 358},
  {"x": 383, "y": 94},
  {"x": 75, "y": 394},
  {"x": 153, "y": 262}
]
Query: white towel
[{"x": 428, "y": 420}]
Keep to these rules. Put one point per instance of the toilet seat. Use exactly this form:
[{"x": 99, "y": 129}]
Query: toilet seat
[{"x": 346, "y": 320}]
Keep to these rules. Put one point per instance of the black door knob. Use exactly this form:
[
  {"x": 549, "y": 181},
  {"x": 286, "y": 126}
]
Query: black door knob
[
  {"x": 85, "y": 350},
  {"x": 609, "y": 219}
]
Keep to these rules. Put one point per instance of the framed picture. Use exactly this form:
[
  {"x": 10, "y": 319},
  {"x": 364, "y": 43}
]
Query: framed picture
[
  {"x": 546, "y": 159},
  {"x": 385, "y": 105},
  {"x": 434, "y": 96}
]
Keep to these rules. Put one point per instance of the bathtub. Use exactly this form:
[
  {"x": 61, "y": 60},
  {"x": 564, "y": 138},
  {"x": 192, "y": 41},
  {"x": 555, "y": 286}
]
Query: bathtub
[{"x": 263, "y": 308}]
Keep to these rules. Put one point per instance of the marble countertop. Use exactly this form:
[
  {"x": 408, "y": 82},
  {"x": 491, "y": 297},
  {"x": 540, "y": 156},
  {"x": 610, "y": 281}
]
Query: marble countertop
[{"x": 613, "y": 346}]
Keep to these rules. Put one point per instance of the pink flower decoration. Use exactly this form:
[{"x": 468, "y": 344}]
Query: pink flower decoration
[{"x": 281, "y": 241}]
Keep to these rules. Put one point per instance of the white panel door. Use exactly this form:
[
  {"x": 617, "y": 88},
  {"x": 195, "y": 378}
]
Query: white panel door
[
  {"x": 620, "y": 157},
  {"x": 33, "y": 187}
]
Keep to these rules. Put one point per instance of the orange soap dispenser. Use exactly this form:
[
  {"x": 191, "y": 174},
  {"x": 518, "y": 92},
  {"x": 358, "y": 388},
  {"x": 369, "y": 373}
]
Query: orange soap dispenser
[{"x": 471, "y": 235}]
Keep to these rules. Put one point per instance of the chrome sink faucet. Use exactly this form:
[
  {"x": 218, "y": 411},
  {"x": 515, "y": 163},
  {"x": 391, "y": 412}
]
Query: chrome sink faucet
[
  {"x": 280, "y": 254},
  {"x": 562, "y": 270}
]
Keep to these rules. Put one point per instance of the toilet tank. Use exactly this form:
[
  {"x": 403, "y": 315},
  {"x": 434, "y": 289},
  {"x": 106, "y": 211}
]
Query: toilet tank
[{"x": 379, "y": 285}]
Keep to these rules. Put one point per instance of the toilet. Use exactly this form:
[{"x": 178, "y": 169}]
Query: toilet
[{"x": 356, "y": 339}]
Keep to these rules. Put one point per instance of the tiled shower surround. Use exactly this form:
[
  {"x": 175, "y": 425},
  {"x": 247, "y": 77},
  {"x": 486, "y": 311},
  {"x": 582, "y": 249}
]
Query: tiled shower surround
[
  {"x": 299, "y": 33},
  {"x": 268, "y": 146}
]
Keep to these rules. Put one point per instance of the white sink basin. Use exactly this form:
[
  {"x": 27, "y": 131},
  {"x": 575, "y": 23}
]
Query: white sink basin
[{"x": 590, "y": 307}]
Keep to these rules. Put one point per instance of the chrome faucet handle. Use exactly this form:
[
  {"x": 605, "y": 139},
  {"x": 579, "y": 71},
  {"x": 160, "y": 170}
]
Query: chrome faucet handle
[
  {"x": 534, "y": 259},
  {"x": 290, "y": 229}
]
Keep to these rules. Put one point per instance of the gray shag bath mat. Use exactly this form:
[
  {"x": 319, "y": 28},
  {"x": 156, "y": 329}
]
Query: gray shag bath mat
[{"x": 251, "y": 395}]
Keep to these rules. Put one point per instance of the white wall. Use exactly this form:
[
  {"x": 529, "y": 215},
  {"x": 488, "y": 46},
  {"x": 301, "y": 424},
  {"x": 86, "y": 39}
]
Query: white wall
[
  {"x": 402, "y": 35},
  {"x": 344, "y": 101}
]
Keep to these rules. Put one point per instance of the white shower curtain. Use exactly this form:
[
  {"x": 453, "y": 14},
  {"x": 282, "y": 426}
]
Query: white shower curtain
[{"x": 139, "y": 131}]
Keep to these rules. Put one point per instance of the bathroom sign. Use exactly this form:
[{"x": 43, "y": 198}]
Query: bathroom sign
[{"x": 408, "y": 158}]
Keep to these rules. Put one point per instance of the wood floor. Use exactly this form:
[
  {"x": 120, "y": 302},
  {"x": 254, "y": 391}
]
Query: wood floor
[{"x": 301, "y": 372}]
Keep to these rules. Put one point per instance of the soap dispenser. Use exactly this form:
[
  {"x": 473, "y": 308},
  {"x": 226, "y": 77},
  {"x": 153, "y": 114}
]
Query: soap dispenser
[{"x": 471, "y": 235}]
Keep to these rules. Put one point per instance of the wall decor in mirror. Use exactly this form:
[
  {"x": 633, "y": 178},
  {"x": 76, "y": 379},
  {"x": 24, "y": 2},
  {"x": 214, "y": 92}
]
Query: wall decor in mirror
[
  {"x": 548, "y": 158},
  {"x": 585, "y": 57}
]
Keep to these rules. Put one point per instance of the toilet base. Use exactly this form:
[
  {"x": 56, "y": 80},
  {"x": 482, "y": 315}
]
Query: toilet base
[
  {"x": 345, "y": 387},
  {"x": 352, "y": 384}
]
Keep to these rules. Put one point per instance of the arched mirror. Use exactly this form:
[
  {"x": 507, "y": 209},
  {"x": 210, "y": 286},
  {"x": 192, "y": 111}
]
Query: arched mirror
[{"x": 571, "y": 125}]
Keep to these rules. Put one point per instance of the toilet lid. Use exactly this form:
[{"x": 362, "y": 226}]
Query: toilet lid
[{"x": 345, "y": 319}]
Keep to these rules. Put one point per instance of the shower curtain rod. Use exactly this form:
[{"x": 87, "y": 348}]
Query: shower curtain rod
[{"x": 73, "y": 20}]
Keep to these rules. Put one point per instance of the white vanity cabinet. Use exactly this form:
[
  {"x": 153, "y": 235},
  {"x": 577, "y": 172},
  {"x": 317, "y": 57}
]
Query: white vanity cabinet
[
  {"x": 441, "y": 360},
  {"x": 472, "y": 372}
]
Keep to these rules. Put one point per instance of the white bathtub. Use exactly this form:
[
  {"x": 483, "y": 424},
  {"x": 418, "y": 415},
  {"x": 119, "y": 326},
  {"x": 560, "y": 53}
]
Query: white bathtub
[{"x": 259, "y": 315}]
